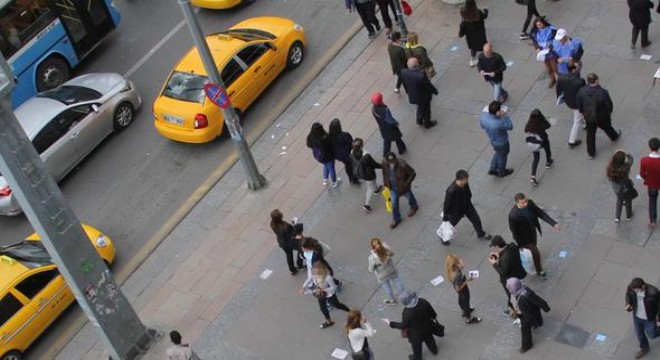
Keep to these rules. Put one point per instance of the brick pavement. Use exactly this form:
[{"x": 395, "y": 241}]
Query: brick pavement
[{"x": 203, "y": 279}]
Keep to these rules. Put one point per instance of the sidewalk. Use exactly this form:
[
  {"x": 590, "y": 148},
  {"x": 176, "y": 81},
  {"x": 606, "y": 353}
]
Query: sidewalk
[{"x": 204, "y": 278}]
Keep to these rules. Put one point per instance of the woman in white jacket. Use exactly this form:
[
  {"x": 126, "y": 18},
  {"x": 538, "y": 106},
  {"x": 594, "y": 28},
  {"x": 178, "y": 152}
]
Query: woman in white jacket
[
  {"x": 322, "y": 286},
  {"x": 358, "y": 330},
  {"x": 382, "y": 265}
]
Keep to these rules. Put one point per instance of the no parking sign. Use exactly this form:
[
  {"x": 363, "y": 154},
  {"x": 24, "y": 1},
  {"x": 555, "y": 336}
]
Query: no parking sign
[{"x": 217, "y": 95}]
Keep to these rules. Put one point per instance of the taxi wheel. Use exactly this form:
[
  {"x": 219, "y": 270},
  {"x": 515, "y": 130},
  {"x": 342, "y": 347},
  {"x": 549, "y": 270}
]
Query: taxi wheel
[
  {"x": 296, "y": 54},
  {"x": 12, "y": 355},
  {"x": 123, "y": 117}
]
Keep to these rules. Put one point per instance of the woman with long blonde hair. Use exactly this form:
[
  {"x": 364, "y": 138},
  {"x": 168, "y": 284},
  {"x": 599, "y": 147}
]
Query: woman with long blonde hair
[
  {"x": 322, "y": 286},
  {"x": 357, "y": 329},
  {"x": 454, "y": 272},
  {"x": 382, "y": 265}
]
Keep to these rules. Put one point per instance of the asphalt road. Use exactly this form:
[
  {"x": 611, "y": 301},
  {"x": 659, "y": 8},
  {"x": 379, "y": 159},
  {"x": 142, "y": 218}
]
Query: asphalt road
[{"x": 133, "y": 182}]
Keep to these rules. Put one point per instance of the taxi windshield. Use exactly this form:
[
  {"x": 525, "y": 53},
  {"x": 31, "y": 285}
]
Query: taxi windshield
[
  {"x": 185, "y": 87},
  {"x": 32, "y": 254}
]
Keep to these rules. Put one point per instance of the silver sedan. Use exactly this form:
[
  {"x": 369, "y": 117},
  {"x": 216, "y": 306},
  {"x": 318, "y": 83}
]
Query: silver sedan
[{"x": 66, "y": 123}]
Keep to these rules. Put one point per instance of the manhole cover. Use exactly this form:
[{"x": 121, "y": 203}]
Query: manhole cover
[{"x": 572, "y": 335}]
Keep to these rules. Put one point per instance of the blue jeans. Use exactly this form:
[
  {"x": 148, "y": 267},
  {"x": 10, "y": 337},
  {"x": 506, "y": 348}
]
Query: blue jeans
[
  {"x": 386, "y": 285},
  {"x": 329, "y": 171},
  {"x": 498, "y": 90},
  {"x": 412, "y": 202},
  {"x": 498, "y": 162},
  {"x": 643, "y": 328},
  {"x": 653, "y": 205}
]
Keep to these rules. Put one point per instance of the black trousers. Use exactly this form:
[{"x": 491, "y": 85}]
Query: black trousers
[
  {"x": 525, "y": 334},
  {"x": 417, "y": 346},
  {"x": 385, "y": 13},
  {"x": 644, "y": 29},
  {"x": 333, "y": 301},
  {"x": 367, "y": 12},
  {"x": 545, "y": 145},
  {"x": 474, "y": 218},
  {"x": 424, "y": 114},
  {"x": 508, "y": 294},
  {"x": 348, "y": 166},
  {"x": 400, "y": 145},
  {"x": 606, "y": 126},
  {"x": 289, "y": 259},
  {"x": 399, "y": 81},
  {"x": 531, "y": 11},
  {"x": 464, "y": 302}
]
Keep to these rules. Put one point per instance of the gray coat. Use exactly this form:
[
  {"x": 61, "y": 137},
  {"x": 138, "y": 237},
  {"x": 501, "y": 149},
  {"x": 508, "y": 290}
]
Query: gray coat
[{"x": 383, "y": 271}]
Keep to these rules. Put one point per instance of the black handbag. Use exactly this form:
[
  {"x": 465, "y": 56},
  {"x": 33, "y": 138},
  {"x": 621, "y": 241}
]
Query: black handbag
[
  {"x": 363, "y": 354},
  {"x": 629, "y": 191},
  {"x": 521, "y": 2},
  {"x": 438, "y": 329}
]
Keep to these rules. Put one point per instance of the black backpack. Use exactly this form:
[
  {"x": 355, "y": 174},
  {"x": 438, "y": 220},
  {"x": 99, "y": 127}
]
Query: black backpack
[
  {"x": 357, "y": 166},
  {"x": 590, "y": 110}
]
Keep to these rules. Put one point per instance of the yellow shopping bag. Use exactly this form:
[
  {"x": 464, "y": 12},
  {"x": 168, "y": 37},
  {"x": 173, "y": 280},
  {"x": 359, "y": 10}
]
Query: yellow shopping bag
[{"x": 388, "y": 199}]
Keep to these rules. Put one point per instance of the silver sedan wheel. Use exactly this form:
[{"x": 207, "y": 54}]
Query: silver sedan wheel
[{"x": 124, "y": 115}]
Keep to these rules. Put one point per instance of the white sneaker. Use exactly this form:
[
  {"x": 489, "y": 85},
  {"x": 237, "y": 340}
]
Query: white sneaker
[
  {"x": 325, "y": 182},
  {"x": 473, "y": 62},
  {"x": 336, "y": 183}
]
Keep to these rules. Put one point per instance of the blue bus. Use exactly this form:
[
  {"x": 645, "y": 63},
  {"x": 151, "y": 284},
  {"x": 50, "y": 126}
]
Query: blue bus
[{"x": 44, "y": 39}]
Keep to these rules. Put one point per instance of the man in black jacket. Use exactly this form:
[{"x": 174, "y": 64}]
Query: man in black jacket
[
  {"x": 595, "y": 104},
  {"x": 491, "y": 66},
  {"x": 458, "y": 203},
  {"x": 420, "y": 91},
  {"x": 524, "y": 223},
  {"x": 640, "y": 17},
  {"x": 643, "y": 300},
  {"x": 398, "y": 58},
  {"x": 418, "y": 320},
  {"x": 505, "y": 259},
  {"x": 568, "y": 86}
]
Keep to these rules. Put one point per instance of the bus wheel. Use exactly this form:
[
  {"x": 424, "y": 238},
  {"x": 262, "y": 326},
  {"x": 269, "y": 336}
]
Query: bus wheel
[{"x": 52, "y": 73}]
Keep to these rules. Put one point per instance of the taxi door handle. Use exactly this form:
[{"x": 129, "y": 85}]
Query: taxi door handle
[{"x": 257, "y": 69}]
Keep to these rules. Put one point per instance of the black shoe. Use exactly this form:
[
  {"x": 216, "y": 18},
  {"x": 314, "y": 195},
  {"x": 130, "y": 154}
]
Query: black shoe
[
  {"x": 446, "y": 243},
  {"x": 485, "y": 236},
  {"x": 647, "y": 44},
  {"x": 492, "y": 172},
  {"x": 574, "y": 144},
  {"x": 294, "y": 272},
  {"x": 431, "y": 124},
  {"x": 548, "y": 164},
  {"x": 371, "y": 36},
  {"x": 524, "y": 350},
  {"x": 366, "y": 208},
  {"x": 401, "y": 152},
  {"x": 619, "y": 136},
  {"x": 523, "y": 36},
  {"x": 394, "y": 224},
  {"x": 507, "y": 172},
  {"x": 378, "y": 190}
]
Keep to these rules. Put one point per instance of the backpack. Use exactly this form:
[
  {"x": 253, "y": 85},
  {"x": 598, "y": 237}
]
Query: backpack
[
  {"x": 318, "y": 153},
  {"x": 356, "y": 165}
]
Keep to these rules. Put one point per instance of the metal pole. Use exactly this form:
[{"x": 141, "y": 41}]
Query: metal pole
[
  {"x": 68, "y": 245},
  {"x": 255, "y": 180},
  {"x": 400, "y": 19}
]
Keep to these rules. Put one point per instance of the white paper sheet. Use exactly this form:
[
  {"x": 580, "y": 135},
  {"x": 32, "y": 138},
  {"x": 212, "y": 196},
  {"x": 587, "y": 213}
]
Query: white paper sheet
[
  {"x": 437, "y": 281},
  {"x": 645, "y": 57},
  {"x": 266, "y": 274},
  {"x": 474, "y": 274},
  {"x": 339, "y": 354}
]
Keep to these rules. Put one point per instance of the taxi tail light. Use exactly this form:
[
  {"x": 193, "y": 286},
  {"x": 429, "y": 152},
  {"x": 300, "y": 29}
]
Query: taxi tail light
[
  {"x": 201, "y": 121},
  {"x": 5, "y": 191}
]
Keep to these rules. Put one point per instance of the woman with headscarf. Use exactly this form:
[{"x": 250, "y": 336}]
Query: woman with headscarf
[
  {"x": 618, "y": 172},
  {"x": 387, "y": 124},
  {"x": 473, "y": 28},
  {"x": 528, "y": 306},
  {"x": 418, "y": 322}
]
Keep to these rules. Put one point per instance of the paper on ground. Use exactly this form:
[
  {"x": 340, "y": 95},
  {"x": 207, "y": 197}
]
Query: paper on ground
[
  {"x": 601, "y": 337},
  {"x": 474, "y": 274},
  {"x": 509, "y": 63},
  {"x": 454, "y": 48},
  {"x": 540, "y": 56},
  {"x": 265, "y": 274},
  {"x": 386, "y": 320},
  {"x": 646, "y": 57},
  {"x": 437, "y": 281},
  {"x": 563, "y": 254},
  {"x": 339, "y": 354},
  {"x": 657, "y": 73}
]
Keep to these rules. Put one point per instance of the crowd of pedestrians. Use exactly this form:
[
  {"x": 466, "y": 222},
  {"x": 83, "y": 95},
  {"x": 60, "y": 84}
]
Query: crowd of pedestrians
[{"x": 414, "y": 70}]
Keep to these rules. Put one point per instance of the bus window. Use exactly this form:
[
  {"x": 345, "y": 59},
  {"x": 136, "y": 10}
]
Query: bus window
[{"x": 20, "y": 21}]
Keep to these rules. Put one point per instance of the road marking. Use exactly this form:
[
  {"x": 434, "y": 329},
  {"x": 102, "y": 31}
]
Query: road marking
[
  {"x": 156, "y": 47},
  {"x": 79, "y": 320}
]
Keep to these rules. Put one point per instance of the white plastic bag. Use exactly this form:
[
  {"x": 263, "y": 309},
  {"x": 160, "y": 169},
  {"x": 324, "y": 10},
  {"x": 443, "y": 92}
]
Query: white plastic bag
[
  {"x": 446, "y": 231},
  {"x": 527, "y": 260}
]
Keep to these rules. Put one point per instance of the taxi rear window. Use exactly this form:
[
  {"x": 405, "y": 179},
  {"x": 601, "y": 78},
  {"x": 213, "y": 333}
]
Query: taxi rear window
[{"x": 185, "y": 87}]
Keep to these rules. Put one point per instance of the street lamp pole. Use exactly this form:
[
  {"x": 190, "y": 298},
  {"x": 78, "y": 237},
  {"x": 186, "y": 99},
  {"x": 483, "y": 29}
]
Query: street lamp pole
[
  {"x": 400, "y": 19},
  {"x": 255, "y": 180}
]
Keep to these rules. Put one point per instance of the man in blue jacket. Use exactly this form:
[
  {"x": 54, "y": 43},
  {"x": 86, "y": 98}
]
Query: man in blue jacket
[
  {"x": 566, "y": 50},
  {"x": 496, "y": 122}
]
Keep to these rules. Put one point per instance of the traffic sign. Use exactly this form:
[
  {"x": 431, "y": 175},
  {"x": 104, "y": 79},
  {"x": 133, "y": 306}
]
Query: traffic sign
[{"x": 217, "y": 95}]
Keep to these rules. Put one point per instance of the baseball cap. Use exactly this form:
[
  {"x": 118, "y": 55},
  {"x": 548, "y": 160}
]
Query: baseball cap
[
  {"x": 561, "y": 33},
  {"x": 497, "y": 241}
]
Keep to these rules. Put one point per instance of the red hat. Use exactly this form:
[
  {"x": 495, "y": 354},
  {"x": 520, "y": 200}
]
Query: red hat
[{"x": 377, "y": 98}]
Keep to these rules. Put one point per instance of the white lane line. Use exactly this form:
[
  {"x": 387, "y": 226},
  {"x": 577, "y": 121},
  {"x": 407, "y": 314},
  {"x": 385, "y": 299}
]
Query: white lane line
[{"x": 153, "y": 50}]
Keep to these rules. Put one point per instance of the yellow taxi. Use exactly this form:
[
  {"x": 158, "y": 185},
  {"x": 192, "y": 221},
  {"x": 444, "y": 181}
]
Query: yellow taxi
[
  {"x": 33, "y": 293},
  {"x": 218, "y": 4},
  {"x": 249, "y": 56}
]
